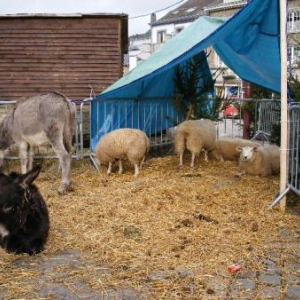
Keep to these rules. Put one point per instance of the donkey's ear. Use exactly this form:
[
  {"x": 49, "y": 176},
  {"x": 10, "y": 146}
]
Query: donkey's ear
[{"x": 28, "y": 178}]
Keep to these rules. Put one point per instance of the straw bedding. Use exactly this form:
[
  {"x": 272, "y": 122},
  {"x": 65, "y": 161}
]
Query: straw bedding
[{"x": 164, "y": 235}]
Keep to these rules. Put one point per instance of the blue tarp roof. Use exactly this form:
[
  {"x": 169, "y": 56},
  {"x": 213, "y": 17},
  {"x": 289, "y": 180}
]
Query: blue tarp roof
[{"x": 248, "y": 43}]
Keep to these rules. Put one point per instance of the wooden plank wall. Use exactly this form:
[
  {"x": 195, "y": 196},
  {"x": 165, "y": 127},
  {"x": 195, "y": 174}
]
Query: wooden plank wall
[{"x": 40, "y": 54}]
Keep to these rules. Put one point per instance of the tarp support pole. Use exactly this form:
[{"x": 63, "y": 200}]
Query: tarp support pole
[{"x": 284, "y": 104}]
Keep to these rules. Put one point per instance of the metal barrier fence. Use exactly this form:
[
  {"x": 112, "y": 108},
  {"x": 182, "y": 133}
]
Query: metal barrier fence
[
  {"x": 293, "y": 180},
  {"x": 268, "y": 114},
  {"x": 158, "y": 118},
  {"x": 155, "y": 116},
  {"x": 81, "y": 125},
  {"x": 255, "y": 120}
]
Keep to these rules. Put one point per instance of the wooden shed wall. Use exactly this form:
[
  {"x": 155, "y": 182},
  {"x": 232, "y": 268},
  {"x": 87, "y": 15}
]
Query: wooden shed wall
[{"x": 66, "y": 54}]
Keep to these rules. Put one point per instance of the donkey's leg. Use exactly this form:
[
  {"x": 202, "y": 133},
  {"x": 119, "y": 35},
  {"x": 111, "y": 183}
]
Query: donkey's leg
[
  {"x": 30, "y": 158},
  {"x": 23, "y": 154},
  {"x": 64, "y": 157},
  {"x": 65, "y": 164}
]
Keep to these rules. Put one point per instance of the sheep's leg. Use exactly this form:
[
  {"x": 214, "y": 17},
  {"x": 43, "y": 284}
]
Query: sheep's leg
[
  {"x": 120, "y": 166},
  {"x": 141, "y": 164},
  {"x": 136, "y": 170},
  {"x": 193, "y": 160},
  {"x": 240, "y": 173},
  {"x": 180, "y": 159},
  {"x": 109, "y": 168},
  {"x": 205, "y": 155}
]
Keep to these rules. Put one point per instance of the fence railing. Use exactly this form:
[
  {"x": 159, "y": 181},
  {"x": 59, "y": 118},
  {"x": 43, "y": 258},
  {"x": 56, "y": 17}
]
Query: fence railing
[
  {"x": 81, "y": 126},
  {"x": 256, "y": 119},
  {"x": 293, "y": 179},
  {"x": 158, "y": 118},
  {"x": 155, "y": 116}
]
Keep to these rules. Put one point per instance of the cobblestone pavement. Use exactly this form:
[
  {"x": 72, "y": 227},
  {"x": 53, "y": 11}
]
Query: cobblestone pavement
[{"x": 279, "y": 280}]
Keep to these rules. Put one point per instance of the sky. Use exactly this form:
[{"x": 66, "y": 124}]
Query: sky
[{"x": 134, "y": 9}]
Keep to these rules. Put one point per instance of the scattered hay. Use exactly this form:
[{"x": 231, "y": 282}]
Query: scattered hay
[{"x": 163, "y": 235}]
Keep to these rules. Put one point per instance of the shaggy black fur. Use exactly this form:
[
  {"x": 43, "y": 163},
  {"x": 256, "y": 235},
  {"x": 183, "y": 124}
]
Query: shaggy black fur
[{"x": 24, "y": 218}]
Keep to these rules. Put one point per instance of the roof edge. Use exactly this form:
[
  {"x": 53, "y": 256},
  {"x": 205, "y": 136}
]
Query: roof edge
[{"x": 59, "y": 15}]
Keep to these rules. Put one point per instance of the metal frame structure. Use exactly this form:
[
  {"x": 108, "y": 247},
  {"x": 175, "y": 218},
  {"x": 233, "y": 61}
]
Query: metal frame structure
[
  {"x": 293, "y": 151},
  {"x": 268, "y": 114}
]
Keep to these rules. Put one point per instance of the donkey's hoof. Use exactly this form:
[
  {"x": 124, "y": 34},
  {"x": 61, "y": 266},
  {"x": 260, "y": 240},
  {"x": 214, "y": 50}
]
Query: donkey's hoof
[{"x": 64, "y": 189}]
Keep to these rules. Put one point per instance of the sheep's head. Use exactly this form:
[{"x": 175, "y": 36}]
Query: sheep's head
[{"x": 247, "y": 152}]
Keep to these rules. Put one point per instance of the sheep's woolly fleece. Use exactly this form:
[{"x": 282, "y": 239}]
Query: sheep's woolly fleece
[{"x": 165, "y": 235}]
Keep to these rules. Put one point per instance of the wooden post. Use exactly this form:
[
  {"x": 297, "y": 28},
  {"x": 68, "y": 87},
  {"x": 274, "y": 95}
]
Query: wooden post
[{"x": 284, "y": 107}]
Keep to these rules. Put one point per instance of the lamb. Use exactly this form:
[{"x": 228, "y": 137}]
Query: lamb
[
  {"x": 261, "y": 161},
  {"x": 226, "y": 148},
  {"x": 195, "y": 136},
  {"x": 125, "y": 143}
]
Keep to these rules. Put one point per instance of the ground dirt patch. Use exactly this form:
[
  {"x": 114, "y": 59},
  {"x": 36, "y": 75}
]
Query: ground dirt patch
[{"x": 169, "y": 234}]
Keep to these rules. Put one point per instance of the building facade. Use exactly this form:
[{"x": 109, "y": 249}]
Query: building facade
[{"x": 176, "y": 20}]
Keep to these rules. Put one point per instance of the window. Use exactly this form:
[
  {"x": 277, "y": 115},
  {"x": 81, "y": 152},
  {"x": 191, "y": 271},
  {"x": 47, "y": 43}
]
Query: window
[
  {"x": 293, "y": 21},
  {"x": 178, "y": 29},
  {"x": 161, "y": 37},
  {"x": 293, "y": 54}
]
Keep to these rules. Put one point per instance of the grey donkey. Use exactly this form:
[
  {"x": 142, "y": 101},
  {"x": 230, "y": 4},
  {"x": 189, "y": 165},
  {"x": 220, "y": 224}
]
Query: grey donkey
[{"x": 40, "y": 120}]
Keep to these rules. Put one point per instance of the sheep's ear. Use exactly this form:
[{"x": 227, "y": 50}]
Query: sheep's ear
[
  {"x": 239, "y": 149},
  {"x": 255, "y": 148}
]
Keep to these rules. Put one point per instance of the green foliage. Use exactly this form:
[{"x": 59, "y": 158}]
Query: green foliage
[
  {"x": 258, "y": 92},
  {"x": 295, "y": 87},
  {"x": 193, "y": 99},
  {"x": 249, "y": 109}
]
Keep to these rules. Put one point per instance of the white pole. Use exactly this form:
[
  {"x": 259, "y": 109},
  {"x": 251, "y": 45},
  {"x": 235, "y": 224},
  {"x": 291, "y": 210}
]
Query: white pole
[{"x": 284, "y": 107}]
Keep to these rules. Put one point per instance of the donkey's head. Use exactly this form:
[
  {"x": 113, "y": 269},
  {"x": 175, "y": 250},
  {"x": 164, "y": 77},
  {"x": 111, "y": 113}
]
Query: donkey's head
[{"x": 24, "y": 221}]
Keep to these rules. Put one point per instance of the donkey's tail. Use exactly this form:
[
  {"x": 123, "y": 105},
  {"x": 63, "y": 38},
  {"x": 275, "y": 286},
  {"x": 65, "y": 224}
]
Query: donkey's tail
[{"x": 69, "y": 127}]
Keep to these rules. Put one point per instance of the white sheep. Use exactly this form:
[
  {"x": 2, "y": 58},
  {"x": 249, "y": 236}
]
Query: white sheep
[
  {"x": 195, "y": 136},
  {"x": 120, "y": 144},
  {"x": 226, "y": 148},
  {"x": 261, "y": 161}
]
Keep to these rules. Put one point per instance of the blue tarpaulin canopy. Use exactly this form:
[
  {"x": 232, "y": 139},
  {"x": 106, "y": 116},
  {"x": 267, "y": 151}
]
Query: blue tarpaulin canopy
[{"x": 248, "y": 43}]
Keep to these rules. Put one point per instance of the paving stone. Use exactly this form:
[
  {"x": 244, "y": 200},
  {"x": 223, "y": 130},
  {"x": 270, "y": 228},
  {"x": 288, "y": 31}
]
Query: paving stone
[
  {"x": 248, "y": 275},
  {"x": 293, "y": 292},
  {"x": 286, "y": 234},
  {"x": 274, "y": 255},
  {"x": 270, "y": 279},
  {"x": 218, "y": 286},
  {"x": 244, "y": 284},
  {"x": 271, "y": 267},
  {"x": 293, "y": 266},
  {"x": 3, "y": 291},
  {"x": 292, "y": 279},
  {"x": 242, "y": 288},
  {"x": 270, "y": 292}
]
